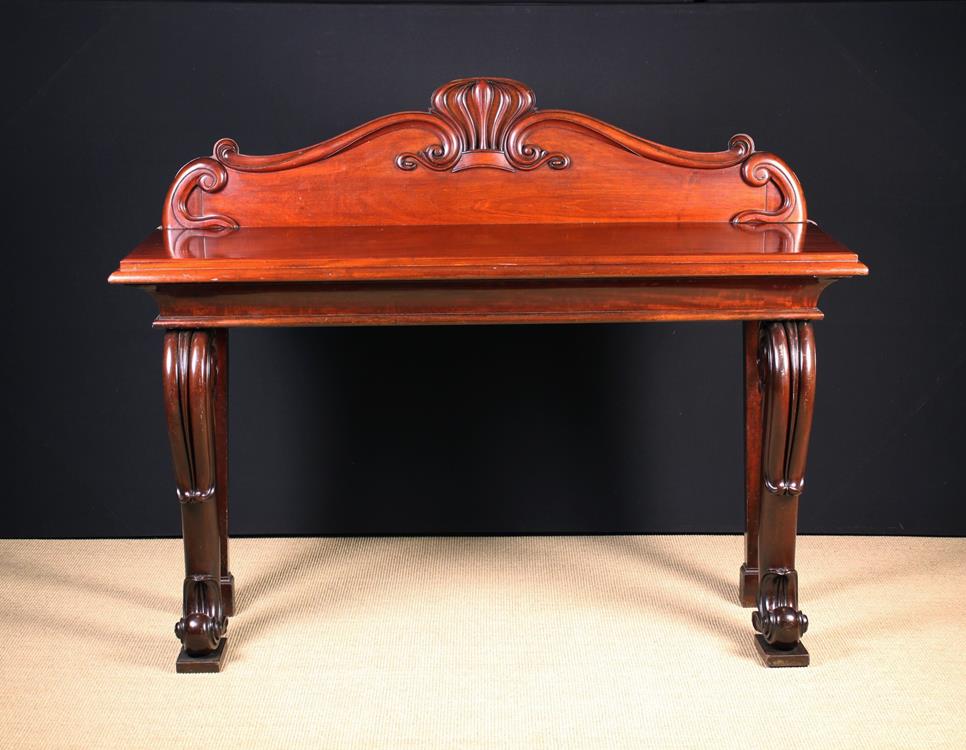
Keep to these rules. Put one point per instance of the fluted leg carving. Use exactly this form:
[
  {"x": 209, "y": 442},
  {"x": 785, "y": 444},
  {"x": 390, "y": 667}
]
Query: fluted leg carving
[
  {"x": 189, "y": 395},
  {"x": 787, "y": 373},
  {"x": 787, "y": 366}
]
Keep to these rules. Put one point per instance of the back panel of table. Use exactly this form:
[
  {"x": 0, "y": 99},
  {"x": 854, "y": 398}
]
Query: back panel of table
[{"x": 363, "y": 186}]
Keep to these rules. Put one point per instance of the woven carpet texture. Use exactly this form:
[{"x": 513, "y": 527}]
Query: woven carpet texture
[{"x": 483, "y": 642}]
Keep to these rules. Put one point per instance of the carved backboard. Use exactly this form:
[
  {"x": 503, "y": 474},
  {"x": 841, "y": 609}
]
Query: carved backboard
[{"x": 483, "y": 154}]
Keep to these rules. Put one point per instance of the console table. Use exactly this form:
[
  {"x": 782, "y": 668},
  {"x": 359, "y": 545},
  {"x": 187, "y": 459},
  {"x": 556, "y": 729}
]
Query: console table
[{"x": 486, "y": 209}]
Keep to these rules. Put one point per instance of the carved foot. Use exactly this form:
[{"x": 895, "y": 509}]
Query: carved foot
[
  {"x": 203, "y": 625},
  {"x": 778, "y": 618}
]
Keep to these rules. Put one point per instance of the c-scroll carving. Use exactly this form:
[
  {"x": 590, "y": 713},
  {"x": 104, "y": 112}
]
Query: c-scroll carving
[
  {"x": 189, "y": 373},
  {"x": 209, "y": 176},
  {"x": 787, "y": 371},
  {"x": 203, "y": 624},
  {"x": 762, "y": 168},
  {"x": 492, "y": 119},
  {"x": 778, "y": 618}
]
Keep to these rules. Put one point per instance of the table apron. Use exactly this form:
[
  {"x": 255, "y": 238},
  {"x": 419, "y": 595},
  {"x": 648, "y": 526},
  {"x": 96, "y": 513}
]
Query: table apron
[{"x": 267, "y": 304}]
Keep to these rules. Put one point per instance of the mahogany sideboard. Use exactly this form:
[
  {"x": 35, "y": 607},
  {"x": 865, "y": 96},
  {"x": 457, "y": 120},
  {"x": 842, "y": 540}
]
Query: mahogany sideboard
[{"x": 486, "y": 209}]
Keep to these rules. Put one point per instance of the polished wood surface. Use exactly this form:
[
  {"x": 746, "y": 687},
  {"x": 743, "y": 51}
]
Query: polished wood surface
[
  {"x": 539, "y": 301},
  {"x": 485, "y": 209},
  {"x": 787, "y": 362},
  {"x": 189, "y": 375},
  {"x": 501, "y": 251},
  {"x": 483, "y": 154}
]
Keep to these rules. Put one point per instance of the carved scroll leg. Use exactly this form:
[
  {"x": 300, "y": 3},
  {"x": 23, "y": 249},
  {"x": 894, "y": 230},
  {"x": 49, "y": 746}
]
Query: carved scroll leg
[
  {"x": 189, "y": 394},
  {"x": 748, "y": 575},
  {"x": 787, "y": 364}
]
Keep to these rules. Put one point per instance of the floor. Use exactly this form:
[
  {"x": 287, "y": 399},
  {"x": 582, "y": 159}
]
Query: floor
[{"x": 498, "y": 642}]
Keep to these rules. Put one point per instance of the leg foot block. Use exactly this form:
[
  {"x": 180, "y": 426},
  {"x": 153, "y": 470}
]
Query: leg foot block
[
  {"x": 228, "y": 594},
  {"x": 748, "y": 586},
  {"x": 212, "y": 662},
  {"x": 778, "y": 657}
]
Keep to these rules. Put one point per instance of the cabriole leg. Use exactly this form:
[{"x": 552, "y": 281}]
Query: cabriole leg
[
  {"x": 787, "y": 366},
  {"x": 190, "y": 372}
]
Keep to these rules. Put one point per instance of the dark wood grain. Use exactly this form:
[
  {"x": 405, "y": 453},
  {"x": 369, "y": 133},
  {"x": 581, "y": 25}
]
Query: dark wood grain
[
  {"x": 787, "y": 362},
  {"x": 189, "y": 396},
  {"x": 419, "y": 303}
]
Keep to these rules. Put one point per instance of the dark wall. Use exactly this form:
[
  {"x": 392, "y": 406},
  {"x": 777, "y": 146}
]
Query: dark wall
[{"x": 613, "y": 428}]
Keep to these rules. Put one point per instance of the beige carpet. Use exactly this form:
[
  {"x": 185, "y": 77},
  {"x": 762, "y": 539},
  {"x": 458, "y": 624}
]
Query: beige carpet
[{"x": 562, "y": 642}]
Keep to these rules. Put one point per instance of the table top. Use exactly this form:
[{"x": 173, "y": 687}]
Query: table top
[{"x": 492, "y": 251}]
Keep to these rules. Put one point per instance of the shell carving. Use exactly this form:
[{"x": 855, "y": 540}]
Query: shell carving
[{"x": 486, "y": 116}]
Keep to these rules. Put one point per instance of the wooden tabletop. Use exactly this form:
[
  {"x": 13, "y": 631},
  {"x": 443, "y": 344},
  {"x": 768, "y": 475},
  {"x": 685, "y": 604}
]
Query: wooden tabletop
[{"x": 492, "y": 251}]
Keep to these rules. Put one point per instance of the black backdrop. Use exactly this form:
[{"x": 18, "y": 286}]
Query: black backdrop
[{"x": 614, "y": 428}]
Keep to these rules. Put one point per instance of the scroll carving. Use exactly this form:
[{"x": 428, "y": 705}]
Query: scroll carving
[
  {"x": 484, "y": 116},
  {"x": 492, "y": 118},
  {"x": 207, "y": 175},
  {"x": 203, "y": 625},
  {"x": 778, "y": 618},
  {"x": 189, "y": 374},
  {"x": 787, "y": 371},
  {"x": 226, "y": 150},
  {"x": 483, "y": 123},
  {"x": 189, "y": 386},
  {"x": 762, "y": 168}
]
